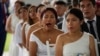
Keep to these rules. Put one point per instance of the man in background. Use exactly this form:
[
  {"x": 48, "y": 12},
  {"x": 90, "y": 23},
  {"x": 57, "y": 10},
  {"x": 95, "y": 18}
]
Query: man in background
[
  {"x": 60, "y": 7},
  {"x": 92, "y": 21}
]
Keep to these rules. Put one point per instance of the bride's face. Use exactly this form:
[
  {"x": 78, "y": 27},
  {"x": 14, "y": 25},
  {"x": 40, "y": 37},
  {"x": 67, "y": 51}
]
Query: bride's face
[
  {"x": 48, "y": 20},
  {"x": 73, "y": 23},
  {"x": 32, "y": 13},
  {"x": 23, "y": 14}
]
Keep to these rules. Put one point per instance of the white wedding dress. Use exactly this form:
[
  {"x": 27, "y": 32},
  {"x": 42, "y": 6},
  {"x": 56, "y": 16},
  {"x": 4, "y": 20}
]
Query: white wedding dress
[
  {"x": 14, "y": 21},
  {"x": 25, "y": 51},
  {"x": 79, "y": 47},
  {"x": 13, "y": 49},
  {"x": 18, "y": 38},
  {"x": 42, "y": 48}
]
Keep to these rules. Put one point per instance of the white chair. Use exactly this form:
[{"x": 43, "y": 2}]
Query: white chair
[{"x": 96, "y": 47}]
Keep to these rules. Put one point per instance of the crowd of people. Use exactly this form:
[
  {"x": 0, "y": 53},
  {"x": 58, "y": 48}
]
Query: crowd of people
[{"x": 67, "y": 28}]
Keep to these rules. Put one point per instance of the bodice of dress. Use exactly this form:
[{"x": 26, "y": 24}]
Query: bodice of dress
[
  {"x": 42, "y": 48},
  {"x": 79, "y": 47},
  {"x": 14, "y": 21},
  {"x": 27, "y": 26},
  {"x": 18, "y": 33}
]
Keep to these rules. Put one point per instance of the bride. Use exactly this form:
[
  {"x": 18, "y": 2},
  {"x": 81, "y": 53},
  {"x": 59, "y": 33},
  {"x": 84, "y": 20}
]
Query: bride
[
  {"x": 37, "y": 44},
  {"x": 75, "y": 42}
]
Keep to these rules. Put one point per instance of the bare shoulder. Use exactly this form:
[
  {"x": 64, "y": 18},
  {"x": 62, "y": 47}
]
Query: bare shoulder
[
  {"x": 91, "y": 37},
  {"x": 37, "y": 32},
  {"x": 30, "y": 29},
  {"x": 10, "y": 16},
  {"x": 24, "y": 24},
  {"x": 62, "y": 36},
  {"x": 32, "y": 26},
  {"x": 59, "y": 31}
]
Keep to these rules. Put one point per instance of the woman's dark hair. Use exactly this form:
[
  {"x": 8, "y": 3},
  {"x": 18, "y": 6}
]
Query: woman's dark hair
[
  {"x": 77, "y": 12},
  {"x": 23, "y": 7},
  {"x": 92, "y": 1},
  {"x": 28, "y": 5},
  {"x": 49, "y": 9},
  {"x": 40, "y": 5},
  {"x": 60, "y": 3},
  {"x": 20, "y": 2},
  {"x": 30, "y": 21},
  {"x": 75, "y": 3}
]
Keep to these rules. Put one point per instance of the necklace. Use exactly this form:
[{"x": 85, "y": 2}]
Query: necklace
[
  {"x": 49, "y": 37},
  {"x": 48, "y": 34}
]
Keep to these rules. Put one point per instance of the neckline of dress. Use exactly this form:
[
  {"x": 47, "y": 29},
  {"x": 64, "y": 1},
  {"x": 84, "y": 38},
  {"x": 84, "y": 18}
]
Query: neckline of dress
[
  {"x": 41, "y": 41},
  {"x": 76, "y": 40}
]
